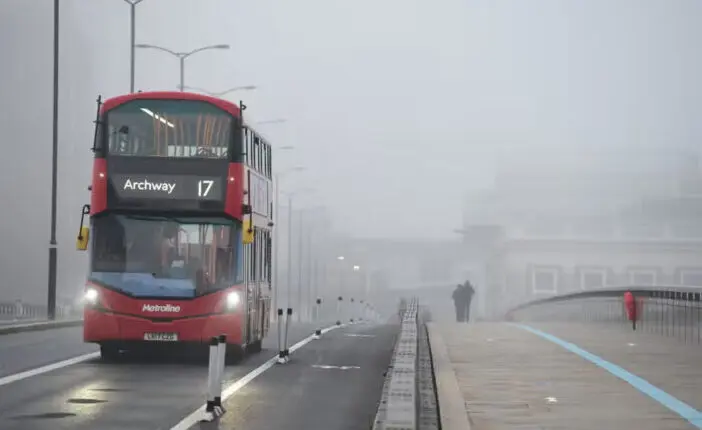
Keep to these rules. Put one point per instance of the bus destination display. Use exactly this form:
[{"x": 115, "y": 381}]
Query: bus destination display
[{"x": 170, "y": 187}]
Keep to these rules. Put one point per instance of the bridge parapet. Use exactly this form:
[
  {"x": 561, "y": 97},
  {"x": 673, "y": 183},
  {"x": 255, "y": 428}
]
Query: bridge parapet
[{"x": 674, "y": 311}]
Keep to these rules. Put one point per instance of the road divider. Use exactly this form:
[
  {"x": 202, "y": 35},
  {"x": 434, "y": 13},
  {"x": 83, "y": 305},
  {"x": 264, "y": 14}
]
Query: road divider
[
  {"x": 38, "y": 326},
  {"x": 398, "y": 404}
]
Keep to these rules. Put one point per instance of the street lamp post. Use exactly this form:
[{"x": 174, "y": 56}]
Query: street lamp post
[
  {"x": 340, "y": 271},
  {"x": 289, "y": 256},
  {"x": 132, "y": 30},
  {"x": 290, "y": 236},
  {"x": 356, "y": 268},
  {"x": 276, "y": 216},
  {"x": 182, "y": 56},
  {"x": 309, "y": 271},
  {"x": 300, "y": 231},
  {"x": 53, "y": 252},
  {"x": 276, "y": 243}
]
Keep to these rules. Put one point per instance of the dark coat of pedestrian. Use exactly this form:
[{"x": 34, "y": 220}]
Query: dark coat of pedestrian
[
  {"x": 459, "y": 302},
  {"x": 468, "y": 292}
]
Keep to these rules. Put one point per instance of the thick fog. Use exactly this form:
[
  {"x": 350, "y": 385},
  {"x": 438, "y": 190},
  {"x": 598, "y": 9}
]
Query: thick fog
[{"x": 397, "y": 109}]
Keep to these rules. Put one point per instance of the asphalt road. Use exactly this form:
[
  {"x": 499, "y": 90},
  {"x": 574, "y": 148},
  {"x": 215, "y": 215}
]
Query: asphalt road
[
  {"x": 334, "y": 383},
  {"x": 29, "y": 350},
  {"x": 93, "y": 395}
]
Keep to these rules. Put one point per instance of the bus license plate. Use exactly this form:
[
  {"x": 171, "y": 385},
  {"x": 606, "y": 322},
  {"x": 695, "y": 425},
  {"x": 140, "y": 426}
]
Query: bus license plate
[{"x": 161, "y": 337}]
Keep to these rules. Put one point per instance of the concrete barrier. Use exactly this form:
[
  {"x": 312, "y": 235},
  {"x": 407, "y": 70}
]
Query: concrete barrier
[
  {"x": 398, "y": 404},
  {"x": 38, "y": 326}
]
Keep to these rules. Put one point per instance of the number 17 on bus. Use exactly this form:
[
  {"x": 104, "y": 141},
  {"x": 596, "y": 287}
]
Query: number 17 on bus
[{"x": 203, "y": 187}]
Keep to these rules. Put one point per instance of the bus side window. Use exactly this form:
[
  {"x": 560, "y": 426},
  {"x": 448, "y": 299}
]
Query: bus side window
[
  {"x": 257, "y": 145},
  {"x": 269, "y": 166},
  {"x": 259, "y": 165}
]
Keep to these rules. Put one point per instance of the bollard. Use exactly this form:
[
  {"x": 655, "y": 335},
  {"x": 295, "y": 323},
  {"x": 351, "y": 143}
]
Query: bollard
[
  {"x": 318, "y": 331},
  {"x": 338, "y": 310},
  {"x": 211, "y": 380},
  {"x": 287, "y": 329},
  {"x": 351, "y": 310},
  {"x": 281, "y": 348},
  {"x": 221, "y": 359},
  {"x": 630, "y": 308}
]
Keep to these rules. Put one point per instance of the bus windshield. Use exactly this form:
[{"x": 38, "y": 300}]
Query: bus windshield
[
  {"x": 169, "y": 128},
  {"x": 166, "y": 257}
]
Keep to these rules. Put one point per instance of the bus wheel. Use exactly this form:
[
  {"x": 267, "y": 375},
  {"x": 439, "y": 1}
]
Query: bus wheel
[
  {"x": 255, "y": 346},
  {"x": 234, "y": 354},
  {"x": 109, "y": 353}
]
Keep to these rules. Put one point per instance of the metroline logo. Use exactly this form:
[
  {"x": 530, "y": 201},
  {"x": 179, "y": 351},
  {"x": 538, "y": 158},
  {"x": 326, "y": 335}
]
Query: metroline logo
[{"x": 160, "y": 308}]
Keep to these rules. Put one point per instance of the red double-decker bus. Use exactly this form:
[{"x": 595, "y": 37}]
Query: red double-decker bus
[{"x": 179, "y": 230}]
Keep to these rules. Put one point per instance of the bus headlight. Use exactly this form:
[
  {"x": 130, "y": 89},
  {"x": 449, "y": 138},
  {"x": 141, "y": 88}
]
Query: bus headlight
[
  {"x": 233, "y": 300},
  {"x": 90, "y": 296}
]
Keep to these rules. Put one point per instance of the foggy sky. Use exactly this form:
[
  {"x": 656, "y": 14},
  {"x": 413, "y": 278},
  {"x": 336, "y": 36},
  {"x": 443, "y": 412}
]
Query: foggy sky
[{"x": 396, "y": 107}]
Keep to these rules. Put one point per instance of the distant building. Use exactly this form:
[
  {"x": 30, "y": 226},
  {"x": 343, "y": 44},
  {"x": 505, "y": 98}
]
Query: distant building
[{"x": 586, "y": 220}]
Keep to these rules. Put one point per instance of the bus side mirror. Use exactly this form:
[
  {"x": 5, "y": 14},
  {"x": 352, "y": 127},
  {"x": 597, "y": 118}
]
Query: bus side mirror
[
  {"x": 83, "y": 239},
  {"x": 248, "y": 234}
]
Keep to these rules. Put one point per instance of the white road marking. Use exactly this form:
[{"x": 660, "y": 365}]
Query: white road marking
[
  {"x": 551, "y": 400},
  {"x": 325, "y": 366},
  {"x": 48, "y": 368},
  {"x": 240, "y": 383},
  {"x": 359, "y": 335}
]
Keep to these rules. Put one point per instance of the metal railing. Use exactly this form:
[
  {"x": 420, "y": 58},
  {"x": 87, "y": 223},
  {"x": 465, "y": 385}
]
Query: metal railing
[
  {"x": 674, "y": 311},
  {"x": 18, "y": 312}
]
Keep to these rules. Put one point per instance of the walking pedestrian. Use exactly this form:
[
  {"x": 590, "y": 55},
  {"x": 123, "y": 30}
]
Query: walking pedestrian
[
  {"x": 459, "y": 303},
  {"x": 468, "y": 292}
]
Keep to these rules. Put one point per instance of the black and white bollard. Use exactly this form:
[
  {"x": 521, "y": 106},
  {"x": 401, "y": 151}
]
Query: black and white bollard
[
  {"x": 281, "y": 347},
  {"x": 318, "y": 311},
  {"x": 338, "y": 310},
  {"x": 221, "y": 360},
  {"x": 287, "y": 330},
  {"x": 211, "y": 380}
]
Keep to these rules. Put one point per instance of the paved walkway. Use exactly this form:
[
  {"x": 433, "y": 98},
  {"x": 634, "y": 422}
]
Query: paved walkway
[{"x": 495, "y": 376}]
